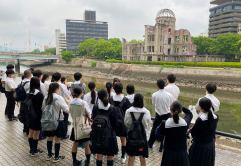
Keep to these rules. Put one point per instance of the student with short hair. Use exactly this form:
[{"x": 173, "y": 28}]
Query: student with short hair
[
  {"x": 34, "y": 108},
  {"x": 136, "y": 112},
  {"x": 10, "y": 87},
  {"x": 79, "y": 110},
  {"x": 77, "y": 83},
  {"x": 39, "y": 75},
  {"x": 91, "y": 97},
  {"x": 171, "y": 87},
  {"x": 130, "y": 89},
  {"x": 202, "y": 150},
  {"x": 161, "y": 101},
  {"x": 211, "y": 88},
  {"x": 121, "y": 103},
  {"x": 59, "y": 105},
  {"x": 174, "y": 129},
  {"x": 105, "y": 146}
]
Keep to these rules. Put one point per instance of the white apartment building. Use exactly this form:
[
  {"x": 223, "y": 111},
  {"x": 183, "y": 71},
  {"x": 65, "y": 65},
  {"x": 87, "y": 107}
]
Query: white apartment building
[{"x": 60, "y": 41}]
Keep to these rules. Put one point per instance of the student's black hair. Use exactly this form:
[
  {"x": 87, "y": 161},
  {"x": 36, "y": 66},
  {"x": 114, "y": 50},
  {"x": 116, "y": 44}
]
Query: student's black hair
[
  {"x": 138, "y": 101},
  {"x": 211, "y": 88},
  {"x": 91, "y": 87},
  {"x": 77, "y": 92},
  {"x": 9, "y": 72},
  {"x": 206, "y": 105},
  {"x": 103, "y": 96},
  {"x": 171, "y": 78},
  {"x": 52, "y": 89},
  {"x": 34, "y": 84},
  {"x": 161, "y": 84},
  {"x": 109, "y": 86},
  {"x": 115, "y": 80},
  {"x": 63, "y": 79},
  {"x": 118, "y": 87},
  {"x": 56, "y": 77},
  {"x": 10, "y": 66},
  {"x": 37, "y": 73},
  {"x": 45, "y": 77},
  {"x": 130, "y": 89},
  {"x": 27, "y": 74},
  {"x": 176, "y": 109},
  {"x": 77, "y": 76}
]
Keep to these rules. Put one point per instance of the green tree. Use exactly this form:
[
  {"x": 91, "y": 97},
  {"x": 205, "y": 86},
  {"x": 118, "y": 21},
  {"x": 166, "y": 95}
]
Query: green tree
[
  {"x": 204, "y": 45},
  {"x": 50, "y": 51},
  {"x": 136, "y": 42},
  {"x": 103, "y": 49},
  {"x": 67, "y": 56},
  {"x": 87, "y": 47}
]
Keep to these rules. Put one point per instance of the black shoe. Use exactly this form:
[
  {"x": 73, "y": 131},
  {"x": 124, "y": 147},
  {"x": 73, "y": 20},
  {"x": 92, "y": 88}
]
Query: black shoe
[
  {"x": 58, "y": 159},
  {"x": 77, "y": 163}
]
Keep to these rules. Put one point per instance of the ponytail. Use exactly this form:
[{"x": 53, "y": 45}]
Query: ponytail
[
  {"x": 176, "y": 117},
  {"x": 103, "y": 96},
  {"x": 92, "y": 86},
  {"x": 52, "y": 89},
  {"x": 210, "y": 115},
  {"x": 109, "y": 86},
  {"x": 206, "y": 106},
  {"x": 176, "y": 109}
]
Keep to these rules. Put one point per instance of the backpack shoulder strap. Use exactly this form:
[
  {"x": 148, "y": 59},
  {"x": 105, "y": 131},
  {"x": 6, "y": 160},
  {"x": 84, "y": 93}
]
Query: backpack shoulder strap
[
  {"x": 132, "y": 116},
  {"x": 25, "y": 83},
  {"x": 141, "y": 117}
]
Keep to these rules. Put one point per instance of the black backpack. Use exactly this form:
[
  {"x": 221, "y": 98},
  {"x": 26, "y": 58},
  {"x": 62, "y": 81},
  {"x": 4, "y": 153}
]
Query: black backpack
[
  {"x": 102, "y": 131},
  {"x": 136, "y": 136},
  {"x": 21, "y": 94},
  {"x": 2, "y": 89},
  {"x": 29, "y": 107},
  {"x": 121, "y": 106}
]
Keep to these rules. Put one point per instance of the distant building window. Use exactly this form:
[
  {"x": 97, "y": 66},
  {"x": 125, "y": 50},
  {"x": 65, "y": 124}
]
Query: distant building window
[
  {"x": 153, "y": 49},
  {"x": 169, "y": 40},
  {"x": 177, "y": 38},
  {"x": 158, "y": 59},
  {"x": 176, "y": 50},
  {"x": 184, "y": 49},
  {"x": 227, "y": 8},
  {"x": 160, "y": 48},
  {"x": 169, "y": 30},
  {"x": 169, "y": 51},
  {"x": 219, "y": 11},
  {"x": 149, "y": 58},
  {"x": 237, "y": 7},
  {"x": 185, "y": 38}
]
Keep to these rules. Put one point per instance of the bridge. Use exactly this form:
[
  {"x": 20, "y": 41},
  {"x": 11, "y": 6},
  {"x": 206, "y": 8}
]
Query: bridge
[{"x": 15, "y": 56}]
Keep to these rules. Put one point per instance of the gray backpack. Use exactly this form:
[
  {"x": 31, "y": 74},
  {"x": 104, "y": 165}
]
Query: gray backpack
[{"x": 50, "y": 118}]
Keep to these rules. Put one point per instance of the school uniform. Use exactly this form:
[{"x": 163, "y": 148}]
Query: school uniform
[
  {"x": 162, "y": 101},
  {"x": 84, "y": 112},
  {"x": 175, "y": 144},
  {"x": 37, "y": 100},
  {"x": 43, "y": 89},
  {"x": 59, "y": 106},
  {"x": 114, "y": 117},
  {"x": 202, "y": 150},
  {"x": 130, "y": 98},
  {"x": 146, "y": 121},
  {"x": 88, "y": 99},
  {"x": 78, "y": 84},
  {"x": 122, "y": 104},
  {"x": 214, "y": 100},
  {"x": 46, "y": 84},
  {"x": 10, "y": 87},
  {"x": 173, "y": 89}
]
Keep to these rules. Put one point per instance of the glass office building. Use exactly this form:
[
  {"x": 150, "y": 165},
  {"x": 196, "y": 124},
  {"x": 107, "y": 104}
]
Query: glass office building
[
  {"x": 79, "y": 30},
  {"x": 225, "y": 17}
]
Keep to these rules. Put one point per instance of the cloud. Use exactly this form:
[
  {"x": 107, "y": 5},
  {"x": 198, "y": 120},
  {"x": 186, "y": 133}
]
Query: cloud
[{"x": 35, "y": 20}]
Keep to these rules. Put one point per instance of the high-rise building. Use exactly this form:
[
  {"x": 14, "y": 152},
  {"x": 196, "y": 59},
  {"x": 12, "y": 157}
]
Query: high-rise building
[
  {"x": 60, "y": 42},
  {"x": 225, "y": 17},
  {"x": 79, "y": 30}
]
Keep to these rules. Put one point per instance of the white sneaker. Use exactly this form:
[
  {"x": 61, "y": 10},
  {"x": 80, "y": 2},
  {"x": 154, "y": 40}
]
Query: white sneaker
[{"x": 123, "y": 160}]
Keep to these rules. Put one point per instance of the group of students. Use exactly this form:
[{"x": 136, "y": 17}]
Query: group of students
[{"x": 99, "y": 117}]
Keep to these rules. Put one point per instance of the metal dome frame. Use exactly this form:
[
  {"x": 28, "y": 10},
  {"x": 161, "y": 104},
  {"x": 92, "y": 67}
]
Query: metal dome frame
[{"x": 165, "y": 13}]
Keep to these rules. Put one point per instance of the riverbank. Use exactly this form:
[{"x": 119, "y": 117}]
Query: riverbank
[{"x": 192, "y": 86}]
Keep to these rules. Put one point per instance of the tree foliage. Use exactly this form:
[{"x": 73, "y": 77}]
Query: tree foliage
[
  {"x": 101, "y": 48},
  {"x": 228, "y": 45},
  {"x": 67, "y": 56}
]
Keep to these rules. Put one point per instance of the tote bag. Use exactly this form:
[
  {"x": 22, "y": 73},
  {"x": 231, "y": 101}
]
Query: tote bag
[{"x": 82, "y": 126}]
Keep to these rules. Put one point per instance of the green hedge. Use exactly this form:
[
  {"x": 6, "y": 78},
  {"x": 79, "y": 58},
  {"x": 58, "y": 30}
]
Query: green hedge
[{"x": 178, "y": 64}]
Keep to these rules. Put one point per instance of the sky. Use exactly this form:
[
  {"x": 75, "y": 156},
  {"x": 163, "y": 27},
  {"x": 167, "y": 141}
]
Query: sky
[{"x": 29, "y": 24}]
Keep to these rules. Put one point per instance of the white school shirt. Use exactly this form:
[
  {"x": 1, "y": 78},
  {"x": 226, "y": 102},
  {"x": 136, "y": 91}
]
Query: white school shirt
[
  {"x": 64, "y": 92},
  {"x": 79, "y": 82},
  {"x": 146, "y": 121},
  {"x": 214, "y": 100},
  {"x": 59, "y": 105},
  {"x": 88, "y": 99},
  {"x": 162, "y": 101},
  {"x": 46, "y": 84},
  {"x": 130, "y": 98},
  {"x": 43, "y": 89},
  {"x": 10, "y": 84},
  {"x": 173, "y": 89},
  {"x": 27, "y": 85}
]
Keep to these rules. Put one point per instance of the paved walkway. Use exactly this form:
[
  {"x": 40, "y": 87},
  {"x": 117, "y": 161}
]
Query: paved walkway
[{"x": 14, "y": 148}]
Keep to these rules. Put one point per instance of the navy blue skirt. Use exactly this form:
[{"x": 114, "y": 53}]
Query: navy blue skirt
[
  {"x": 202, "y": 154},
  {"x": 59, "y": 132},
  {"x": 175, "y": 158}
]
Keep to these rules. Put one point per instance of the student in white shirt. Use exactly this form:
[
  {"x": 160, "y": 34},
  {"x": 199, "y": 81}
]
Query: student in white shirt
[
  {"x": 161, "y": 101},
  {"x": 171, "y": 87},
  {"x": 46, "y": 81},
  {"x": 77, "y": 83},
  {"x": 39, "y": 74},
  {"x": 210, "y": 90},
  {"x": 59, "y": 106},
  {"x": 130, "y": 89},
  {"x": 109, "y": 89},
  {"x": 136, "y": 111},
  {"x": 56, "y": 77},
  {"x": 10, "y": 87},
  {"x": 91, "y": 97}
]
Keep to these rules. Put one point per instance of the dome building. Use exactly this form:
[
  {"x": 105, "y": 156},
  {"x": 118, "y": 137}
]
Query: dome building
[{"x": 161, "y": 41}]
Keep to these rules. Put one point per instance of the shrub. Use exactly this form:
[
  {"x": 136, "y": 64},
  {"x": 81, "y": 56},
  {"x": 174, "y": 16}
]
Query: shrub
[{"x": 93, "y": 64}]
